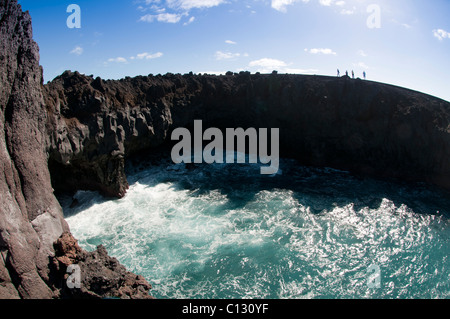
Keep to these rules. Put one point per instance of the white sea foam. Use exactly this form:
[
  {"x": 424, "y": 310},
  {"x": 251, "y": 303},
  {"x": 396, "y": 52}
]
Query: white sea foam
[{"x": 217, "y": 232}]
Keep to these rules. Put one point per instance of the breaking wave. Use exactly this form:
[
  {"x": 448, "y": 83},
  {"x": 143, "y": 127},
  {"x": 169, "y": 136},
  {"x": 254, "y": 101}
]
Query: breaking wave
[{"x": 226, "y": 231}]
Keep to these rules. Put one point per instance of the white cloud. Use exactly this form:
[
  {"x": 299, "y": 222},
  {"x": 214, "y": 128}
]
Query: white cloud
[
  {"x": 280, "y": 5},
  {"x": 441, "y": 34},
  {"x": 230, "y": 42},
  {"x": 361, "y": 65},
  {"x": 404, "y": 25},
  {"x": 180, "y": 8},
  {"x": 77, "y": 50},
  {"x": 226, "y": 55},
  {"x": 147, "y": 56},
  {"x": 361, "y": 53},
  {"x": 348, "y": 11},
  {"x": 191, "y": 19},
  {"x": 191, "y": 4},
  {"x": 118, "y": 60},
  {"x": 300, "y": 71},
  {"x": 140, "y": 56},
  {"x": 267, "y": 65},
  {"x": 183, "y": 4},
  {"x": 162, "y": 17},
  {"x": 326, "y": 3},
  {"x": 321, "y": 51}
]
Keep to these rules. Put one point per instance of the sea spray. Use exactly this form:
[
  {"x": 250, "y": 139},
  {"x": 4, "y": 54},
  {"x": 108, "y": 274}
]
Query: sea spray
[{"x": 226, "y": 231}]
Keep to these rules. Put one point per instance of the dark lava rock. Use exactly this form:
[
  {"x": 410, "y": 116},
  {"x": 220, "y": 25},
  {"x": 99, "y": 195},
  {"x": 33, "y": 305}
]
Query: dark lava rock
[
  {"x": 100, "y": 275},
  {"x": 364, "y": 127},
  {"x": 31, "y": 218}
]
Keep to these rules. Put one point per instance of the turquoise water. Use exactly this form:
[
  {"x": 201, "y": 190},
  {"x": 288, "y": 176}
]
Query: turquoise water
[{"x": 225, "y": 231}]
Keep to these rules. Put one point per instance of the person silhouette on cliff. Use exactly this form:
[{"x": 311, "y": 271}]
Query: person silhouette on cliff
[
  {"x": 353, "y": 74},
  {"x": 346, "y": 73},
  {"x": 364, "y": 75},
  {"x": 338, "y": 73}
]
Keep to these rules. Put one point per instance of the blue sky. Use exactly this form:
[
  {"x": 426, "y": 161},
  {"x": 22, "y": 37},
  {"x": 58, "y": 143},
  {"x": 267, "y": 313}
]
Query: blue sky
[{"x": 406, "y": 44}]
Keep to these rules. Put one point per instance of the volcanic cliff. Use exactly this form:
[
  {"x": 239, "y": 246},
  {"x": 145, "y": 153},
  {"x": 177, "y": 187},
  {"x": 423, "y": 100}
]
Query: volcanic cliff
[
  {"x": 367, "y": 128},
  {"x": 36, "y": 246}
]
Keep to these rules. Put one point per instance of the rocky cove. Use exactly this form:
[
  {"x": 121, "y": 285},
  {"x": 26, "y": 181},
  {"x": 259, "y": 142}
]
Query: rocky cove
[
  {"x": 78, "y": 131},
  {"x": 364, "y": 127}
]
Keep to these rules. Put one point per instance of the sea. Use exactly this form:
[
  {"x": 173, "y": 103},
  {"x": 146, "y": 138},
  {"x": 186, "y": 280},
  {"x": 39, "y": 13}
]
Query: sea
[{"x": 224, "y": 231}]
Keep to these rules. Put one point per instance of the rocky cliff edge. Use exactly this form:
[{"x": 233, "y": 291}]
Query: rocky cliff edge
[
  {"x": 368, "y": 128},
  {"x": 35, "y": 242}
]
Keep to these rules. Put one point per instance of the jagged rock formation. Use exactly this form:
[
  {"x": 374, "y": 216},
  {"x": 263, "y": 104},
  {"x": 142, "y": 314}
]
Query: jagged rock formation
[
  {"x": 100, "y": 275},
  {"x": 31, "y": 219},
  {"x": 365, "y": 127}
]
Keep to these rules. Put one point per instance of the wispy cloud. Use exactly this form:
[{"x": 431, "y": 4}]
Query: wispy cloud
[
  {"x": 404, "y": 25},
  {"x": 191, "y": 19},
  {"x": 226, "y": 55},
  {"x": 140, "y": 56},
  {"x": 230, "y": 42},
  {"x": 361, "y": 53},
  {"x": 179, "y": 9},
  {"x": 325, "y": 51},
  {"x": 267, "y": 65},
  {"x": 191, "y": 4},
  {"x": 77, "y": 50},
  {"x": 299, "y": 71},
  {"x": 348, "y": 11},
  {"x": 361, "y": 65},
  {"x": 441, "y": 34},
  {"x": 147, "y": 56},
  {"x": 162, "y": 17},
  {"x": 281, "y": 5},
  {"x": 118, "y": 60},
  {"x": 326, "y": 3}
]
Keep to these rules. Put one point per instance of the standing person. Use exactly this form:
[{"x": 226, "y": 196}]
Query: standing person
[
  {"x": 346, "y": 73},
  {"x": 338, "y": 73},
  {"x": 353, "y": 74},
  {"x": 364, "y": 75}
]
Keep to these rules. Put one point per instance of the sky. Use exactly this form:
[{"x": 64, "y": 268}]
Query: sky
[{"x": 401, "y": 42}]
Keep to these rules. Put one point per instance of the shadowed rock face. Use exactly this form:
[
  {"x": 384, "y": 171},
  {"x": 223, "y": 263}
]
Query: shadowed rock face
[
  {"x": 365, "y": 127},
  {"x": 31, "y": 219}
]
